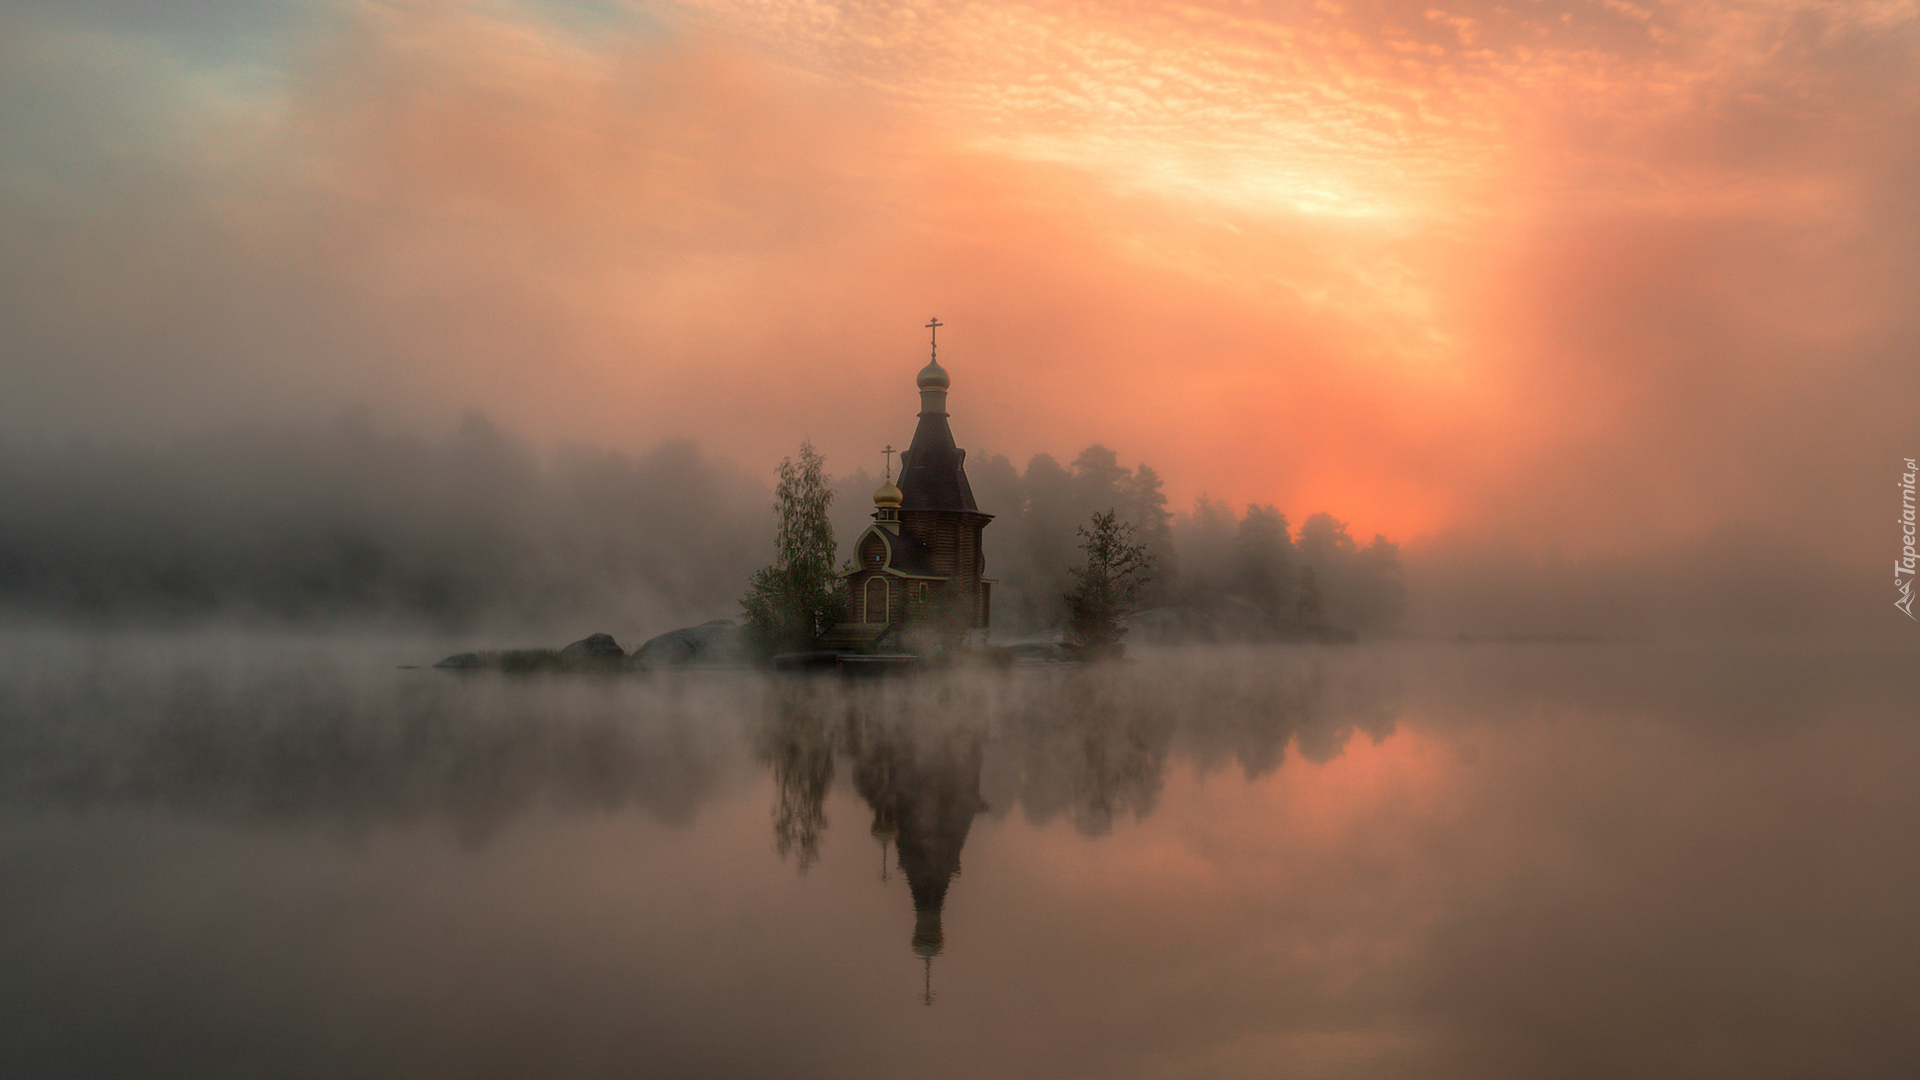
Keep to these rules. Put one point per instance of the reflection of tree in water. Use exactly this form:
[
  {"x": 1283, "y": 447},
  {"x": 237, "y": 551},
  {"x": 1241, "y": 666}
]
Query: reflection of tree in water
[
  {"x": 916, "y": 747},
  {"x": 263, "y": 741},
  {"x": 798, "y": 741},
  {"x": 320, "y": 745},
  {"x": 1094, "y": 743},
  {"x": 1091, "y": 743},
  {"x": 1248, "y": 712}
]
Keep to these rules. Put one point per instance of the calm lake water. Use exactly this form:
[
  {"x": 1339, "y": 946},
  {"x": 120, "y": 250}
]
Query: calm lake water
[{"x": 227, "y": 857}]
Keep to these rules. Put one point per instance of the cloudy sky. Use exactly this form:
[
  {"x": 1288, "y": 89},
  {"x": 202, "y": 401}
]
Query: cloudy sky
[{"x": 1591, "y": 279}]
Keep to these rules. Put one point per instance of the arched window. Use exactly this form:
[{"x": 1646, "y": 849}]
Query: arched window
[{"x": 876, "y": 600}]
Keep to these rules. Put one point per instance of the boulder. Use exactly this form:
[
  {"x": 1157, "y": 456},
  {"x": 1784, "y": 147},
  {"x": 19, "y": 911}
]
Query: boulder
[
  {"x": 1236, "y": 618},
  {"x": 593, "y": 647},
  {"x": 1036, "y": 652},
  {"x": 720, "y": 641},
  {"x": 1169, "y": 626},
  {"x": 671, "y": 649},
  {"x": 1226, "y": 619},
  {"x": 462, "y": 661}
]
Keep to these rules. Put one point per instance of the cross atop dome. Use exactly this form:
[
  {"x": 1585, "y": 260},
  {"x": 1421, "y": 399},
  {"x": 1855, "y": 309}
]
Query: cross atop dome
[{"x": 933, "y": 376}]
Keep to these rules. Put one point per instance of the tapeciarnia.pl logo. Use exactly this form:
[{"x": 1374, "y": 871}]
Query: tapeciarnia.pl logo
[{"x": 1904, "y": 564}]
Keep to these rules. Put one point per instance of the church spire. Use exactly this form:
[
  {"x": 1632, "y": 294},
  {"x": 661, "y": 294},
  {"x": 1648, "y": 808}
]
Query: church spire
[{"x": 932, "y": 471}]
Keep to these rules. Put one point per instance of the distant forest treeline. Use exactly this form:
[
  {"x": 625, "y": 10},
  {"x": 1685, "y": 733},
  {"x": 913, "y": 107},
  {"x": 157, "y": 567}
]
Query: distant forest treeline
[
  {"x": 1208, "y": 558},
  {"x": 347, "y": 521}
]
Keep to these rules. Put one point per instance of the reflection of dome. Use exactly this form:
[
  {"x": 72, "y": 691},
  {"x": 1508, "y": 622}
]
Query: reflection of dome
[
  {"x": 887, "y": 496},
  {"x": 883, "y": 828},
  {"x": 933, "y": 376},
  {"x": 928, "y": 938}
]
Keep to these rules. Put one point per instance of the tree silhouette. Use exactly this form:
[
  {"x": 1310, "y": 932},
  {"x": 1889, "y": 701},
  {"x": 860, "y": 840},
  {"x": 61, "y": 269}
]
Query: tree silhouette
[
  {"x": 798, "y": 743},
  {"x": 1311, "y": 612},
  {"x": 1146, "y": 511},
  {"x": 790, "y": 604},
  {"x": 1109, "y": 583},
  {"x": 1263, "y": 550}
]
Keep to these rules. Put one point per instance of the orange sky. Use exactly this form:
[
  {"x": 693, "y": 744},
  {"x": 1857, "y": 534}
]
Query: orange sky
[{"x": 1595, "y": 276}]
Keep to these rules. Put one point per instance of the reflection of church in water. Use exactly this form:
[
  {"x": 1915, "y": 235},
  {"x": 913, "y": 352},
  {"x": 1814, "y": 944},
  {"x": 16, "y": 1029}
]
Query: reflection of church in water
[{"x": 924, "y": 789}]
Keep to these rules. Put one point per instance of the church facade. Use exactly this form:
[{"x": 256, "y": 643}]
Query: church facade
[{"x": 921, "y": 564}]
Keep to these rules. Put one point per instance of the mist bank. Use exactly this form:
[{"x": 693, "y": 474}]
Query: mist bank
[
  {"x": 474, "y": 532},
  {"x": 287, "y": 732},
  {"x": 1734, "y": 582},
  {"x": 347, "y": 523}
]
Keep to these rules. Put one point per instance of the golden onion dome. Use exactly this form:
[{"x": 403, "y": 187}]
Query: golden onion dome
[
  {"x": 933, "y": 376},
  {"x": 887, "y": 496}
]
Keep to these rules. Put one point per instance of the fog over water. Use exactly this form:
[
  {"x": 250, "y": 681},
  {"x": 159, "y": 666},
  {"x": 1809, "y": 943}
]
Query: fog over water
[
  {"x": 284, "y": 856},
  {"x": 472, "y": 529},
  {"x": 1571, "y": 345}
]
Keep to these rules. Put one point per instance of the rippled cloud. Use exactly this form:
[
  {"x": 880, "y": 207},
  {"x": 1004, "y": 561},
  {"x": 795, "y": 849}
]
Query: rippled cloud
[{"x": 1593, "y": 281}]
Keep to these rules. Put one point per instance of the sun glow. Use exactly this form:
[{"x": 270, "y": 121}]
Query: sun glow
[{"x": 1553, "y": 270}]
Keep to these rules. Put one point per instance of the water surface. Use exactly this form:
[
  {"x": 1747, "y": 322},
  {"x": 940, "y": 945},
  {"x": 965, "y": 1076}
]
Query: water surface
[{"x": 287, "y": 858}]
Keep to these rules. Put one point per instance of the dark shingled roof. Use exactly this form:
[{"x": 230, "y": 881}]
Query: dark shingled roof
[
  {"x": 933, "y": 473},
  {"x": 906, "y": 553},
  {"x": 909, "y": 554}
]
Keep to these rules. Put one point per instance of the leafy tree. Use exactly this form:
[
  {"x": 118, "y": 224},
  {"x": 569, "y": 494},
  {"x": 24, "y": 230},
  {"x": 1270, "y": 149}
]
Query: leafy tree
[
  {"x": 1098, "y": 480},
  {"x": 1109, "y": 583},
  {"x": 1324, "y": 543},
  {"x": 1312, "y": 612},
  {"x": 1264, "y": 550},
  {"x": 1205, "y": 540},
  {"x": 1363, "y": 587},
  {"x": 790, "y": 604},
  {"x": 1036, "y": 550},
  {"x": 1146, "y": 510},
  {"x": 1379, "y": 590},
  {"x": 1326, "y": 546}
]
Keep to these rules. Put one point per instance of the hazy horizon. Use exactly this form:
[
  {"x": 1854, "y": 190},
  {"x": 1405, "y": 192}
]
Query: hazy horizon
[{"x": 473, "y": 530}]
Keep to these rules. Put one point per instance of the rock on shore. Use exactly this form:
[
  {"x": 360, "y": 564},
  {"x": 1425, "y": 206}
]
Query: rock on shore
[{"x": 720, "y": 641}]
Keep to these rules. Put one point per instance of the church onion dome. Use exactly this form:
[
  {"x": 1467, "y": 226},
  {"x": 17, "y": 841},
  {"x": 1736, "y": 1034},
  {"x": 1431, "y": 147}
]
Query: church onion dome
[
  {"x": 933, "y": 376},
  {"x": 887, "y": 496}
]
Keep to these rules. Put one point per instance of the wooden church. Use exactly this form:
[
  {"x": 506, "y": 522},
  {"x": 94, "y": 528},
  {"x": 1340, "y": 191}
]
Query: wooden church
[{"x": 920, "y": 566}]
